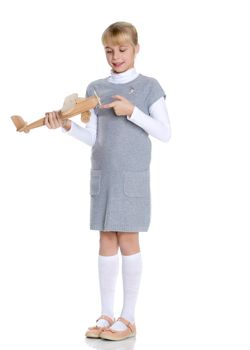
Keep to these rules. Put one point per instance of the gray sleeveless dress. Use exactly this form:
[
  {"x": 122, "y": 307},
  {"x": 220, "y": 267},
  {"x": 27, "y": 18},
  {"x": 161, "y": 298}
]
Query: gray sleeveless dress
[{"x": 120, "y": 197}]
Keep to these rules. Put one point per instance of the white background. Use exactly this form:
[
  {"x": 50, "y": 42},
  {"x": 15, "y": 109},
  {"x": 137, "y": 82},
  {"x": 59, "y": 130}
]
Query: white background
[{"x": 195, "y": 286}]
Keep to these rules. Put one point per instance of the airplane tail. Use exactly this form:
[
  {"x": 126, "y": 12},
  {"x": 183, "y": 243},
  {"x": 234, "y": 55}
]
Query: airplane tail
[{"x": 19, "y": 123}]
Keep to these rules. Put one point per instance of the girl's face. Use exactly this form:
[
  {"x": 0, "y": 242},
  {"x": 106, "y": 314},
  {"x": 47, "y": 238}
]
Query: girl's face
[{"x": 121, "y": 57}]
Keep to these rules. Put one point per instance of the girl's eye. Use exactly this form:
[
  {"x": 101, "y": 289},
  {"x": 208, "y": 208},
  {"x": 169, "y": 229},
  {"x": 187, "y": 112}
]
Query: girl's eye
[{"x": 121, "y": 50}]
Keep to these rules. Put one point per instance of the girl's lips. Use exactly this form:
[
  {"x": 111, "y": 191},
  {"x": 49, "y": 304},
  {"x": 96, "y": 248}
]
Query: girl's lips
[{"x": 117, "y": 64}]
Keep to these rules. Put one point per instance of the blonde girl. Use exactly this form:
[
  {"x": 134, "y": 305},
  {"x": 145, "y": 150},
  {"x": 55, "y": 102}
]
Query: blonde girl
[{"x": 133, "y": 107}]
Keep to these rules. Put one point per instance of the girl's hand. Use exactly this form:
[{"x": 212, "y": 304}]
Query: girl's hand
[
  {"x": 53, "y": 121},
  {"x": 121, "y": 106}
]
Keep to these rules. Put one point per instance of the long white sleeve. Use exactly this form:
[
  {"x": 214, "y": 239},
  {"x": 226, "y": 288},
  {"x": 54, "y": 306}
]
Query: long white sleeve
[
  {"x": 85, "y": 134},
  {"x": 157, "y": 124}
]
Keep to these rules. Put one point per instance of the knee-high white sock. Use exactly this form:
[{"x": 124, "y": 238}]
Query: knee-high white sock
[
  {"x": 108, "y": 268},
  {"x": 131, "y": 274}
]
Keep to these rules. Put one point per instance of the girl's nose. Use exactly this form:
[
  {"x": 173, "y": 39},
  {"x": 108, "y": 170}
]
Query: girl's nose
[{"x": 116, "y": 54}]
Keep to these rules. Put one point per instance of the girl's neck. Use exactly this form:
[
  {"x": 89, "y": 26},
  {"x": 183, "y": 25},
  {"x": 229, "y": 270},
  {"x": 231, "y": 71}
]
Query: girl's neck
[{"x": 124, "y": 77}]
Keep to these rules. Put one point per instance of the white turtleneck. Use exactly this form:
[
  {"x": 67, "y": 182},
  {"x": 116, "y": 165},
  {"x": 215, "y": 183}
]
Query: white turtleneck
[
  {"x": 124, "y": 77},
  {"x": 157, "y": 126}
]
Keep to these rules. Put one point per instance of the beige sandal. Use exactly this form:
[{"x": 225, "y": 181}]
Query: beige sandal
[
  {"x": 111, "y": 334},
  {"x": 94, "y": 332}
]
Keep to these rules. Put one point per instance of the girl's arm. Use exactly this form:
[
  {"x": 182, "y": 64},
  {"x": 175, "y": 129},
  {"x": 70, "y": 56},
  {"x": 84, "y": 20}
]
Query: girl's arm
[
  {"x": 85, "y": 134},
  {"x": 158, "y": 125}
]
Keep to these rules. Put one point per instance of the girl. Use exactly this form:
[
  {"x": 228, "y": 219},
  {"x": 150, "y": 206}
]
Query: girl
[{"x": 133, "y": 107}]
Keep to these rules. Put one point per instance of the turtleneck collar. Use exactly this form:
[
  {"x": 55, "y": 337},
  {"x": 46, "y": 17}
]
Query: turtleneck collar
[{"x": 124, "y": 77}]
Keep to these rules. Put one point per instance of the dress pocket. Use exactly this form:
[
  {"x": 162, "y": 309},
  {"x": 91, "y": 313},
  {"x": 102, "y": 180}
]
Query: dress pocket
[
  {"x": 95, "y": 182},
  {"x": 136, "y": 183}
]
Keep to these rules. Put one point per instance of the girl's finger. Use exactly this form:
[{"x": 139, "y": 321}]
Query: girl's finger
[
  {"x": 58, "y": 119},
  {"x": 108, "y": 105},
  {"x": 118, "y": 97},
  {"x": 52, "y": 119},
  {"x": 47, "y": 120},
  {"x": 55, "y": 120}
]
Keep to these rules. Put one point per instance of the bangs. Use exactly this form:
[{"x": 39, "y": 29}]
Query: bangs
[{"x": 116, "y": 39}]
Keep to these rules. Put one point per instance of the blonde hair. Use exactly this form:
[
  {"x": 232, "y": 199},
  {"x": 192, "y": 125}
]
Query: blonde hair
[{"x": 119, "y": 32}]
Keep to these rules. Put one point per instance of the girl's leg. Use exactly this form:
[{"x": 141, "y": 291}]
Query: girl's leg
[
  {"x": 108, "y": 268},
  {"x": 108, "y": 243},
  {"x": 129, "y": 243},
  {"x": 131, "y": 274}
]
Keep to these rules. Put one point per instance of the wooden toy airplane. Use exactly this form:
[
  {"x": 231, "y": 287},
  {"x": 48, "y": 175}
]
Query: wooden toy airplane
[{"x": 73, "y": 105}]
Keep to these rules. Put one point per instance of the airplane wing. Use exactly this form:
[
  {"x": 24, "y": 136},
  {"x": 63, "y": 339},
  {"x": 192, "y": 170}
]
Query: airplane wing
[{"x": 69, "y": 102}]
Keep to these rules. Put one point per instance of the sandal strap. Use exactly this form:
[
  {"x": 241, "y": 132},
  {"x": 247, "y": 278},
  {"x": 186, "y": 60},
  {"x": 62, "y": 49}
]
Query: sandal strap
[
  {"x": 107, "y": 318},
  {"x": 126, "y": 322}
]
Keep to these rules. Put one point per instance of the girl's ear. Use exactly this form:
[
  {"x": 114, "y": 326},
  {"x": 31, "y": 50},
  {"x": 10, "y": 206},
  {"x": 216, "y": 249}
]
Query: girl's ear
[{"x": 137, "y": 48}]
